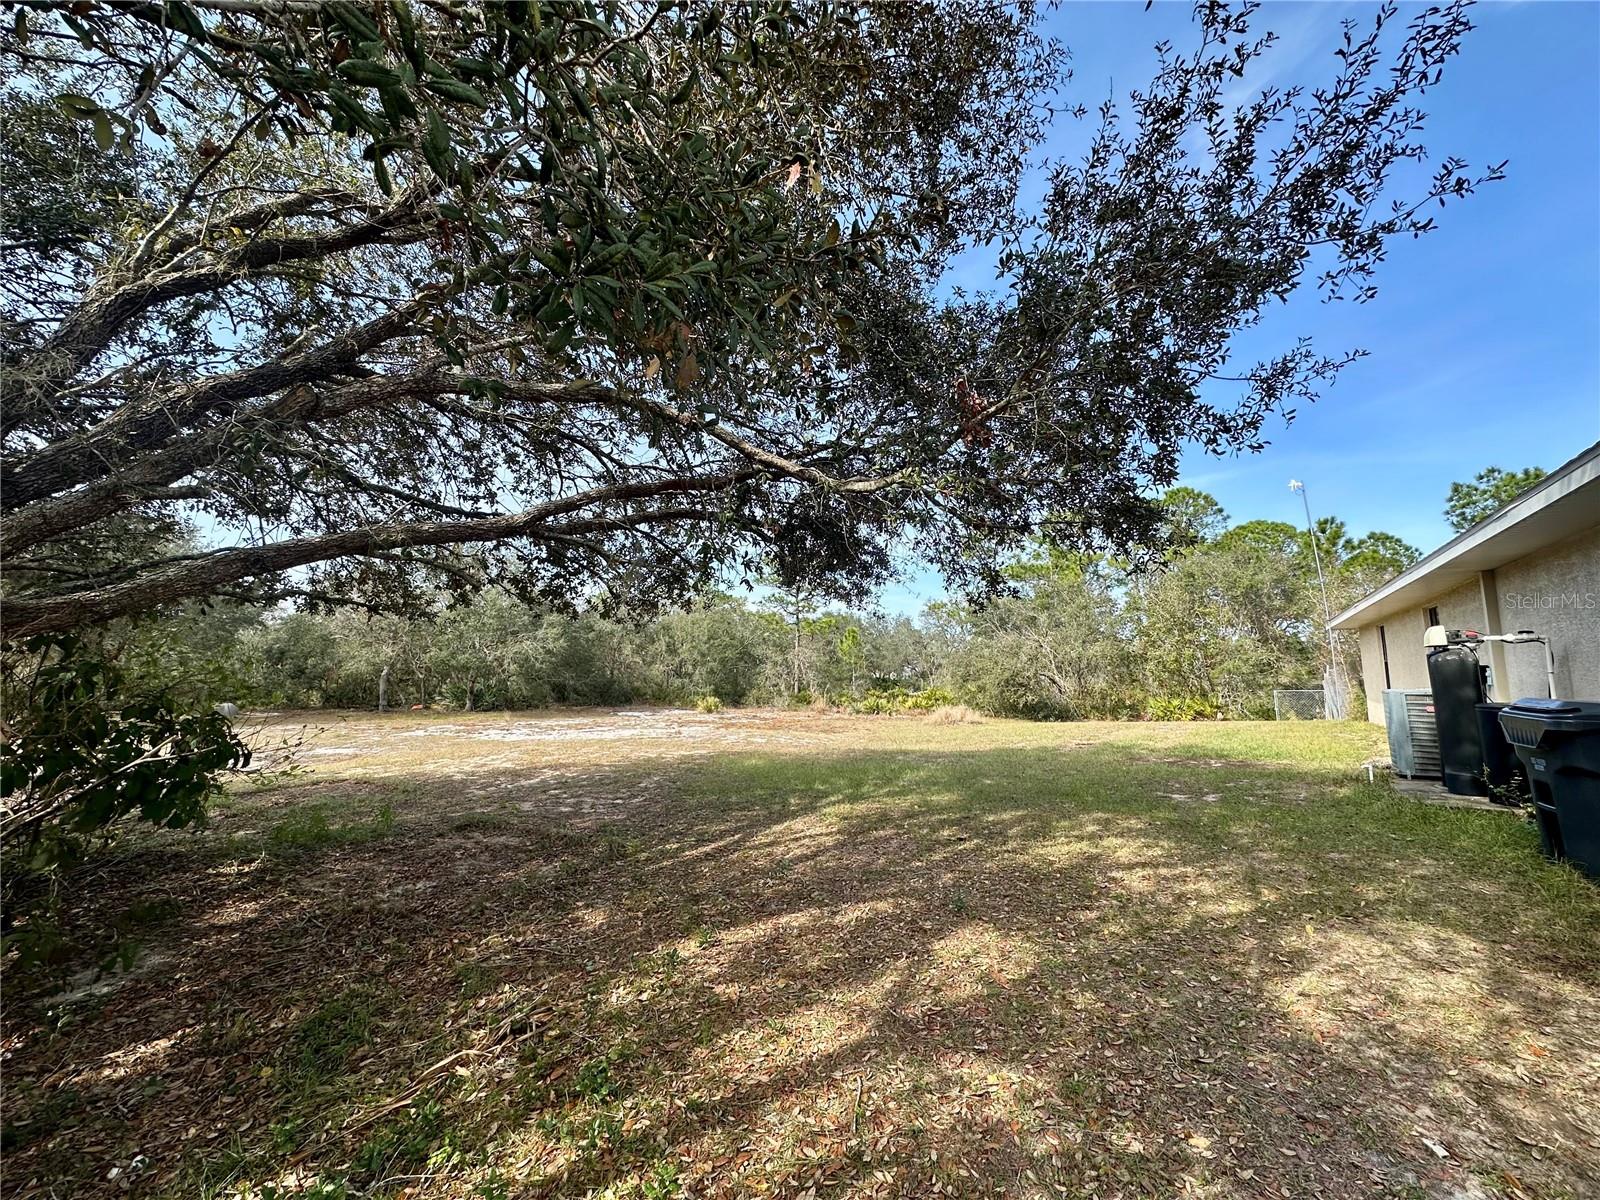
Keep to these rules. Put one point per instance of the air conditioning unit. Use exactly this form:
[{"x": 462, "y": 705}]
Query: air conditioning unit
[{"x": 1413, "y": 733}]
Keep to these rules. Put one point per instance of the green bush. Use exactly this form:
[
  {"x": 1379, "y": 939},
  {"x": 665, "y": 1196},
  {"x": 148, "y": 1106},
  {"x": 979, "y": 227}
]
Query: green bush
[
  {"x": 708, "y": 704},
  {"x": 1181, "y": 708},
  {"x": 88, "y": 748},
  {"x": 898, "y": 698}
]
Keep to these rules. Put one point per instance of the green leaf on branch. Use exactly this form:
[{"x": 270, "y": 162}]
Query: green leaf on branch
[
  {"x": 436, "y": 146},
  {"x": 453, "y": 89},
  {"x": 104, "y": 136},
  {"x": 368, "y": 73}
]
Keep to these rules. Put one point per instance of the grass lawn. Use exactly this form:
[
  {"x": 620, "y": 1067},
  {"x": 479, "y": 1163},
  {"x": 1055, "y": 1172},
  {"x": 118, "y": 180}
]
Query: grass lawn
[{"x": 759, "y": 954}]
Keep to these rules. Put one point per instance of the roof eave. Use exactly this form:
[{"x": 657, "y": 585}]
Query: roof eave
[{"x": 1555, "y": 508}]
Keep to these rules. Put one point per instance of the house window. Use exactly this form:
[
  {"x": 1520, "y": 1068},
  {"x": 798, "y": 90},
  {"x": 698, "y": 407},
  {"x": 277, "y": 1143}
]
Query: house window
[
  {"x": 1383, "y": 649},
  {"x": 1433, "y": 618}
]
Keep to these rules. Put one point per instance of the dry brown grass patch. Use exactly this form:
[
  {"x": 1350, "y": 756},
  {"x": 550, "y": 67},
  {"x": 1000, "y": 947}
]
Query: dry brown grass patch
[{"x": 955, "y": 714}]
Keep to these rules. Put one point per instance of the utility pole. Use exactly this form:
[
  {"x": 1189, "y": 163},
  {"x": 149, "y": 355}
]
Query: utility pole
[{"x": 1327, "y": 613}]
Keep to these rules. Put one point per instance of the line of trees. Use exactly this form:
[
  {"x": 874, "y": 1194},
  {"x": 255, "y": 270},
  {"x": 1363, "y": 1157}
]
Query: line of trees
[
  {"x": 497, "y": 653},
  {"x": 1206, "y": 629}
]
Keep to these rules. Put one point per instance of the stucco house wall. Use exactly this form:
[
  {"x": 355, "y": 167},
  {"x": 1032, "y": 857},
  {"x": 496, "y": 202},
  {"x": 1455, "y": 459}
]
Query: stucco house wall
[
  {"x": 1554, "y": 592},
  {"x": 1371, "y": 671},
  {"x": 1534, "y": 563},
  {"x": 1459, "y": 608}
]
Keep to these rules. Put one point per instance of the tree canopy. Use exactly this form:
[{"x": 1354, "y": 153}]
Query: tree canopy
[
  {"x": 600, "y": 301},
  {"x": 1491, "y": 489}
]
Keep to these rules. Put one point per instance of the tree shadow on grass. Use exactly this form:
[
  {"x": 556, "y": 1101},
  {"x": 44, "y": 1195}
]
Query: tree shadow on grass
[{"x": 1024, "y": 970}]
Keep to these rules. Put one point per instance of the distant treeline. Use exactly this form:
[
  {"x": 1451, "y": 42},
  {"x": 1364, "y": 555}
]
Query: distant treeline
[{"x": 1209, "y": 630}]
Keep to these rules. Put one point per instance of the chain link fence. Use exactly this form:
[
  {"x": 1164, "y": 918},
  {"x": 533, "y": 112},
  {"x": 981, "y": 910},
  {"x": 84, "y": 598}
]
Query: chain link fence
[{"x": 1299, "y": 704}]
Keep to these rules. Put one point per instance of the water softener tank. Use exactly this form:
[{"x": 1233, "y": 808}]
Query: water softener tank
[{"x": 1457, "y": 691}]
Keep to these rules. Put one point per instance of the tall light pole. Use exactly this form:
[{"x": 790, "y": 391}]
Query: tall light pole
[{"x": 1327, "y": 613}]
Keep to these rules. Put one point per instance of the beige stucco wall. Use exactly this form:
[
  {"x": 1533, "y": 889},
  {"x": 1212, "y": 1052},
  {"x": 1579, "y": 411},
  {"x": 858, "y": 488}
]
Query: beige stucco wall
[
  {"x": 1371, "y": 671},
  {"x": 1555, "y": 592}
]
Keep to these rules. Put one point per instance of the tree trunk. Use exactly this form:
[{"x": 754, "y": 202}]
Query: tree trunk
[
  {"x": 796, "y": 688},
  {"x": 383, "y": 688}
]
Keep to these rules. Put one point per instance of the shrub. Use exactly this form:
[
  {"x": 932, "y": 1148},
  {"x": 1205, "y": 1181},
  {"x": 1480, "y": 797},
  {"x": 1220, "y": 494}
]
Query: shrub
[
  {"x": 708, "y": 704},
  {"x": 87, "y": 749},
  {"x": 1181, "y": 708},
  {"x": 900, "y": 699}
]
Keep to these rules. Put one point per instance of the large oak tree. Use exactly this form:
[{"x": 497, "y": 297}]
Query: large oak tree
[{"x": 604, "y": 299}]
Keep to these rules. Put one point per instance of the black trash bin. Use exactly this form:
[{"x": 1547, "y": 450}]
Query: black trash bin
[{"x": 1558, "y": 742}]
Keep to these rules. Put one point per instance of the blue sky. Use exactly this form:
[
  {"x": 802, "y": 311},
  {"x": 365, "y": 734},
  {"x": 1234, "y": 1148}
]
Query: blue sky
[{"x": 1484, "y": 339}]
